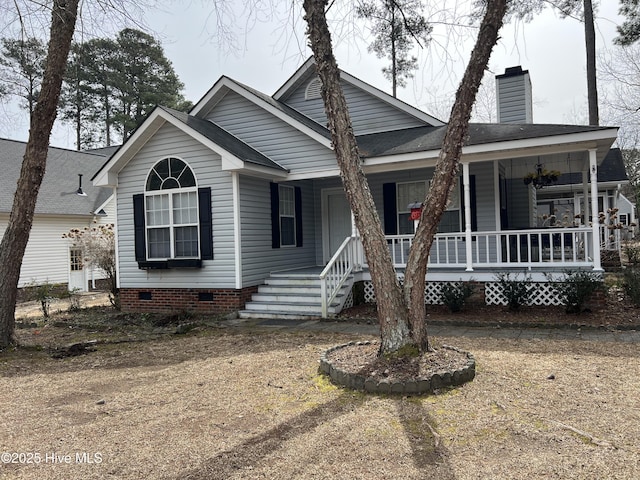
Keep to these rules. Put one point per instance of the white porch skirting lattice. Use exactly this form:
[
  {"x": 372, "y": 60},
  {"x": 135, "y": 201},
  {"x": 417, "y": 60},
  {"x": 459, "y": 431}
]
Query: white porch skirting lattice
[{"x": 544, "y": 294}]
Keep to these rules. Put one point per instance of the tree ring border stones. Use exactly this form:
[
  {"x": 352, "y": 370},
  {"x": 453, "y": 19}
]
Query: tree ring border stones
[{"x": 414, "y": 386}]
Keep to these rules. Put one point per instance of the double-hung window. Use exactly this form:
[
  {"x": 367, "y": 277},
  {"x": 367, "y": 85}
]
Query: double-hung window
[
  {"x": 408, "y": 193},
  {"x": 415, "y": 192},
  {"x": 287, "y": 211},
  {"x": 171, "y": 211}
]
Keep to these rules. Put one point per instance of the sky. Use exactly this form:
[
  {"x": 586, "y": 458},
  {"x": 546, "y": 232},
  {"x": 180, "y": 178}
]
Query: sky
[{"x": 264, "y": 50}]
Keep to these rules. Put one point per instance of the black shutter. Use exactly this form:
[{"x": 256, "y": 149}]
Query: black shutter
[
  {"x": 206, "y": 223},
  {"x": 474, "y": 206},
  {"x": 298, "y": 213},
  {"x": 138, "y": 228},
  {"x": 390, "y": 209},
  {"x": 275, "y": 216}
]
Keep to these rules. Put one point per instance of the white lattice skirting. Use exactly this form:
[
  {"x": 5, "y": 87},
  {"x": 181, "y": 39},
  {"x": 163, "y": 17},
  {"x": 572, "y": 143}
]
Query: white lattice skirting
[{"x": 544, "y": 294}]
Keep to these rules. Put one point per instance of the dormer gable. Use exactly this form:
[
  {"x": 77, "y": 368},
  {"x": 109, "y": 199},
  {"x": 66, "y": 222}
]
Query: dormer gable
[
  {"x": 225, "y": 85},
  {"x": 371, "y": 109}
]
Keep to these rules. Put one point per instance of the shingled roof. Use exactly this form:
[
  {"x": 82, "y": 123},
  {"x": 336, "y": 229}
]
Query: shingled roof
[
  {"x": 57, "y": 194},
  {"x": 610, "y": 170},
  {"x": 420, "y": 139}
]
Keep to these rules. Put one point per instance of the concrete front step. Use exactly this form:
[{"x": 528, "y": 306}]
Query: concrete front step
[
  {"x": 300, "y": 307},
  {"x": 258, "y": 314}
]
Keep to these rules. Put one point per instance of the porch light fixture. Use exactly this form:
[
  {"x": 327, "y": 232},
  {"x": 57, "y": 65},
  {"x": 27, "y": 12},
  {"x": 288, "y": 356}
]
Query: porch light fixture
[
  {"x": 541, "y": 177},
  {"x": 80, "y": 191}
]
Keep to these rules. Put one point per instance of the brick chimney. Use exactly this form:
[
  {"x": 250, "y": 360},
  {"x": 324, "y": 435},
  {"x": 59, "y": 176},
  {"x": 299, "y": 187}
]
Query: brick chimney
[{"x": 513, "y": 96}]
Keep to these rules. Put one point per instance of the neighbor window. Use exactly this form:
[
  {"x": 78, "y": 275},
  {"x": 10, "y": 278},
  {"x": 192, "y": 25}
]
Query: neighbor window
[{"x": 171, "y": 211}]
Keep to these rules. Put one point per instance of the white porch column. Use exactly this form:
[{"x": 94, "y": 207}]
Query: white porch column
[
  {"x": 595, "y": 226},
  {"x": 237, "y": 254},
  {"x": 467, "y": 215},
  {"x": 585, "y": 198}
]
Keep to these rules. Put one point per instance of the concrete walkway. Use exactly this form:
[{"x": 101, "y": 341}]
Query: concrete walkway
[{"x": 362, "y": 328}]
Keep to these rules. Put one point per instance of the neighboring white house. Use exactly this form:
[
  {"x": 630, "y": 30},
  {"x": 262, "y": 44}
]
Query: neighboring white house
[
  {"x": 241, "y": 198},
  {"x": 65, "y": 201}
]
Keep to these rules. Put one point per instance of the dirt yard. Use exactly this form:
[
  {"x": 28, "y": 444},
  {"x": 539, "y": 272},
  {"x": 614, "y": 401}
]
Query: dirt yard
[{"x": 230, "y": 403}]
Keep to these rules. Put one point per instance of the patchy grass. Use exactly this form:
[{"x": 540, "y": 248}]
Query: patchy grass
[{"x": 225, "y": 403}]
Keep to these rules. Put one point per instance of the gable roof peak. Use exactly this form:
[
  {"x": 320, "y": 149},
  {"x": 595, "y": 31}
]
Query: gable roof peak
[{"x": 308, "y": 70}]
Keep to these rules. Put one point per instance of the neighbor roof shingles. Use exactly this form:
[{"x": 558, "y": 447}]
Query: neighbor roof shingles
[{"x": 57, "y": 195}]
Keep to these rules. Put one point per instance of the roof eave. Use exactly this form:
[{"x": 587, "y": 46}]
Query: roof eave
[
  {"x": 108, "y": 176},
  {"x": 599, "y": 139}
]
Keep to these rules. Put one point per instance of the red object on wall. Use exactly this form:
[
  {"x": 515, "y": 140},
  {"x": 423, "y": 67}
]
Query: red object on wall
[{"x": 415, "y": 213}]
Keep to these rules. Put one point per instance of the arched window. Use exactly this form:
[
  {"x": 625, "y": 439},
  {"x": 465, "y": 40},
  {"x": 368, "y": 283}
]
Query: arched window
[{"x": 171, "y": 211}]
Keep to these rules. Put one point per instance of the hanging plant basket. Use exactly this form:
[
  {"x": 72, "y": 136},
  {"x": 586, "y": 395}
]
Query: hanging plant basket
[{"x": 541, "y": 177}]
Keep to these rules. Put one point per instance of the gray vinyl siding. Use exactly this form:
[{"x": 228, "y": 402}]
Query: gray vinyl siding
[
  {"x": 514, "y": 99},
  {"x": 258, "y": 256},
  {"x": 216, "y": 273},
  {"x": 518, "y": 204},
  {"x": 368, "y": 113},
  {"x": 271, "y": 136},
  {"x": 485, "y": 196}
]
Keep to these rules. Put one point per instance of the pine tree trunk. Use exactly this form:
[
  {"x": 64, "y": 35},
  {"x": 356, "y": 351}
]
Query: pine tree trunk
[
  {"x": 16, "y": 236},
  {"x": 446, "y": 171},
  {"x": 401, "y": 313},
  {"x": 392, "y": 312},
  {"x": 590, "y": 44}
]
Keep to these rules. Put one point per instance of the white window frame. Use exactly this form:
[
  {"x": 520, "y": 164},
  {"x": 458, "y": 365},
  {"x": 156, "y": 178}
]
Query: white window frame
[
  {"x": 282, "y": 215},
  {"x": 171, "y": 225}
]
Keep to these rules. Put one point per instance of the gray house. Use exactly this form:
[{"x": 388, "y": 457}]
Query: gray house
[
  {"x": 239, "y": 203},
  {"x": 67, "y": 200}
]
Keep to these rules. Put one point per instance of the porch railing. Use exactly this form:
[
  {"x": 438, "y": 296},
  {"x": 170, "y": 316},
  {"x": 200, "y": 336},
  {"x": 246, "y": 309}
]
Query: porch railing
[
  {"x": 562, "y": 247},
  {"x": 346, "y": 259}
]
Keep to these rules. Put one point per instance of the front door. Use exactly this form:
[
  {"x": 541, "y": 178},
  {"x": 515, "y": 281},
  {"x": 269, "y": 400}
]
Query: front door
[
  {"x": 77, "y": 278},
  {"x": 338, "y": 221}
]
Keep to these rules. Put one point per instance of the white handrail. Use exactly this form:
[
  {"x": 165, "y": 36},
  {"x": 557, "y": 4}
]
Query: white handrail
[
  {"x": 336, "y": 272},
  {"x": 564, "y": 247}
]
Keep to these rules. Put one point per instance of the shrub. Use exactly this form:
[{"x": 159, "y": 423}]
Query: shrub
[
  {"x": 632, "y": 251},
  {"x": 631, "y": 284},
  {"x": 455, "y": 294},
  {"x": 516, "y": 292},
  {"x": 74, "y": 300},
  {"x": 43, "y": 293},
  {"x": 576, "y": 289}
]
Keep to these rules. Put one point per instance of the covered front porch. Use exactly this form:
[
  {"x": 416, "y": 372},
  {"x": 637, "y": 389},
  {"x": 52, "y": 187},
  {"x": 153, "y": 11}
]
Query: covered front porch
[{"x": 491, "y": 224}]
